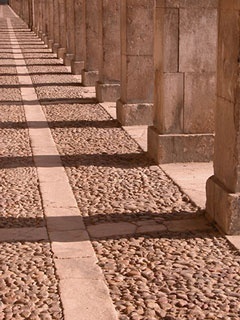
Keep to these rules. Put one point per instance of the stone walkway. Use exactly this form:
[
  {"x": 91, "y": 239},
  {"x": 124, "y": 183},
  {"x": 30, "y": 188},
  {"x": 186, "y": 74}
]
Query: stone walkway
[{"x": 91, "y": 229}]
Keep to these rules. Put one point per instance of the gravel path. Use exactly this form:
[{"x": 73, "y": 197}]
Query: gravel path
[{"x": 164, "y": 275}]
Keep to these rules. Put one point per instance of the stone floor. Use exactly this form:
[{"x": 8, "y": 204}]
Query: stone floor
[{"x": 91, "y": 228}]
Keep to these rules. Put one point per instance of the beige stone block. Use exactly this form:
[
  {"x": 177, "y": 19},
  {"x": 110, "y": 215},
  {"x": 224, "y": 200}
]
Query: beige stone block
[
  {"x": 200, "y": 102},
  {"x": 184, "y": 225},
  {"x": 129, "y": 114},
  {"x": 107, "y": 92},
  {"x": 71, "y": 244},
  {"x": 228, "y": 54},
  {"x": 168, "y": 3},
  {"x": 86, "y": 300},
  {"x": 229, "y": 4},
  {"x": 92, "y": 34},
  {"x": 199, "y": 3},
  {"x": 171, "y": 40},
  {"x": 81, "y": 268},
  {"x": 170, "y": 148},
  {"x": 104, "y": 230},
  {"x": 173, "y": 103},
  {"x": 137, "y": 83},
  {"x": 77, "y": 66},
  {"x": 198, "y": 40},
  {"x": 24, "y": 234},
  {"x": 89, "y": 78},
  {"x": 223, "y": 207},
  {"x": 67, "y": 59},
  {"x": 61, "y": 52},
  {"x": 109, "y": 41},
  {"x": 226, "y": 158},
  {"x": 137, "y": 27}
]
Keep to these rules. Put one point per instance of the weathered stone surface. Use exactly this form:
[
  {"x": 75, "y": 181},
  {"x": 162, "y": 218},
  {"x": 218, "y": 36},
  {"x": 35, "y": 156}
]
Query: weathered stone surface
[
  {"x": 173, "y": 103},
  {"x": 137, "y": 79},
  {"x": 130, "y": 114},
  {"x": 171, "y": 43},
  {"x": 223, "y": 207},
  {"x": 93, "y": 297},
  {"x": 90, "y": 72},
  {"x": 79, "y": 37},
  {"x": 198, "y": 40},
  {"x": 200, "y": 102},
  {"x": 109, "y": 48},
  {"x": 169, "y": 148}
]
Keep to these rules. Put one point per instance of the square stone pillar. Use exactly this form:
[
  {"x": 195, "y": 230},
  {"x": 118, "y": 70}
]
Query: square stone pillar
[
  {"x": 223, "y": 189},
  {"x": 70, "y": 48},
  {"x": 42, "y": 19},
  {"x": 108, "y": 86},
  {"x": 80, "y": 37},
  {"x": 56, "y": 27},
  {"x": 135, "y": 106},
  {"x": 35, "y": 14},
  {"x": 63, "y": 30},
  {"x": 185, "y": 81},
  {"x": 90, "y": 71},
  {"x": 50, "y": 23}
]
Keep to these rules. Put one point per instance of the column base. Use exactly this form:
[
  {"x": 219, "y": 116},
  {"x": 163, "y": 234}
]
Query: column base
[
  {"x": 60, "y": 53},
  {"x": 55, "y": 47},
  {"x": 39, "y": 34},
  {"x": 43, "y": 35},
  {"x": 107, "y": 92},
  {"x": 45, "y": 39},
  {"x": 171, "y": 148},
  {"x": 223, "y": 207},
  {"x": 77, "y": 66},
  {"x": 67, "y": 59},
  {"x": 89, "y": 78},
  {"x": 50, "y": 44},
  {"x": 132, "y": 114}
]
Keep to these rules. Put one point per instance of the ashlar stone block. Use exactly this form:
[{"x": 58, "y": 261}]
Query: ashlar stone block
[
  {"x": 198, "y": 40},
  {"x": 200, "y": 102}
]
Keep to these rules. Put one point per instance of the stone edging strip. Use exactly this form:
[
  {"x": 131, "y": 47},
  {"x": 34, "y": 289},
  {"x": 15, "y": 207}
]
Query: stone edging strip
[{"x": 83, "y": 290}]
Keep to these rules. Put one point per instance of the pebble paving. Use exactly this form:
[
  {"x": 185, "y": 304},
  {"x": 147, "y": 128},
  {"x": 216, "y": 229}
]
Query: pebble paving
[
  {"x": 164, "y": 275},
  {"x": 28, "y": 283}
]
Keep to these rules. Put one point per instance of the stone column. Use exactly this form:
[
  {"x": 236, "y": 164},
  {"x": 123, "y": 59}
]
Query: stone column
[
  {"x": 30, "y": 14},
  {"x": 40, "y": 13},
  {"x": 108, "y": 86},
  {"x": 62, "y": 23},
  {"x": 90, "y": 72},
  {"x": 50, "y": 23},
  {"x": 69, "y": 55},
  {"x": 185, "y": 81},
  {"x": 135, "y": 106},
  {"x": 35, "y": 20},
  {"x": 223, "y": 189},
  {"x": 44, "y": 20},
  {"x": 56, "y": 27},
  {"x": 80, "y": 37}
]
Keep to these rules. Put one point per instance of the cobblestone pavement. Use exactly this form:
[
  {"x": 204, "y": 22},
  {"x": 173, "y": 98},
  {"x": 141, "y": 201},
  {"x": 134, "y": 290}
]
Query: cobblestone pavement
[{"x": 175, "y": 267}]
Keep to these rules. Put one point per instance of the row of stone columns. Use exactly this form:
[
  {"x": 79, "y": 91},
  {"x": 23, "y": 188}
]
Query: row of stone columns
[{"x": 156, "y": 59}]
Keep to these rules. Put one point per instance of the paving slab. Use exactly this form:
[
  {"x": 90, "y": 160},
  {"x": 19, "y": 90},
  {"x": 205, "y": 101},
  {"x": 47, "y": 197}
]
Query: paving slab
[
  {"x": 93, "y": 300},
  {"x": 23, "y": 234}
]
